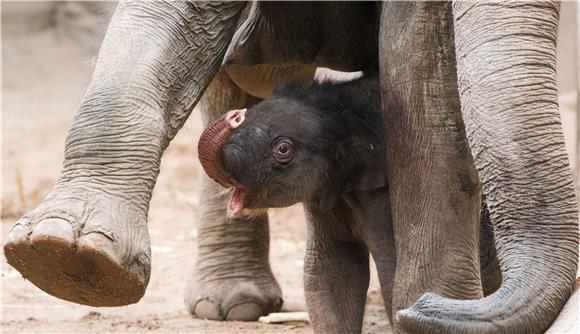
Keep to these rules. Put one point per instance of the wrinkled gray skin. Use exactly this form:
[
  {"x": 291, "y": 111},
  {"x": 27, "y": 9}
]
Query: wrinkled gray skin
[{"x": 88, "y": 242}]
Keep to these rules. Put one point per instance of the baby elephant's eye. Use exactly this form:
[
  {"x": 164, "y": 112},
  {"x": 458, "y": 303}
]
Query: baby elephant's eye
[{"x": 283, "y": 151}]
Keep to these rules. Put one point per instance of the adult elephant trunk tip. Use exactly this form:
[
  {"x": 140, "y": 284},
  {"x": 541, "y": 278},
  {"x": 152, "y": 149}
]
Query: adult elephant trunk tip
[
  {"x": 211, "y": 143},
  {"x": 499, "y": 312}
]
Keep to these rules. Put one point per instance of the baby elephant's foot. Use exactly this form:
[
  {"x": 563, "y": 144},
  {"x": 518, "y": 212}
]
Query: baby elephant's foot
[
  {"x": 84, "y": 246},
  {"x": 242, "y": 299}
]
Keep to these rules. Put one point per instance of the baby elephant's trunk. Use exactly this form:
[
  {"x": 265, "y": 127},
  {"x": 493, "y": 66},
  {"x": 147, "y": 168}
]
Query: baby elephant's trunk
[{"x": 211, "y": 143}]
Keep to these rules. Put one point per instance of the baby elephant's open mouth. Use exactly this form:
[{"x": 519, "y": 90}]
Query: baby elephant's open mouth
[
  {"x": 211, "y": 144},
  {"x": 237, "y": 201}
]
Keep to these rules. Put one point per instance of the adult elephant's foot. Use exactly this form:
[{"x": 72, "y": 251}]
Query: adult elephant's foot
[
  {"x": 232, "y": 279},
  {"x": 233, "y": 298},
  {"x": 83, "y": 245}
]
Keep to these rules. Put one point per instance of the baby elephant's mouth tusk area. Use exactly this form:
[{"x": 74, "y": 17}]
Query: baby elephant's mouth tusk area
[{"x": 237, "y": 201}]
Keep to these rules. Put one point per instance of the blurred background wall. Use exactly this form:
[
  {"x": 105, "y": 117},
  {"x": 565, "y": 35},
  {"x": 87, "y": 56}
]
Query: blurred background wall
[{"x": 84, "y": 21}]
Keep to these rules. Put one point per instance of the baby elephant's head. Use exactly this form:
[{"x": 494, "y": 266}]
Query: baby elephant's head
[{"x": 281, "y": 152}]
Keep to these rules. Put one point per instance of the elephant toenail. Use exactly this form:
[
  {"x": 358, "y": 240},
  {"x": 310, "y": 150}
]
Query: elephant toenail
[
  {"x": 99, "y": 243},
  {"x": 53, "y": 228},
  {"x": 245, "y": 312},
  {"x": 17, "y": 234},
  {"x": 206, "y": 309}
]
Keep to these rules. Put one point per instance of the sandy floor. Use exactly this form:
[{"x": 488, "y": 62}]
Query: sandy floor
[{"x": 43, "y": 81}]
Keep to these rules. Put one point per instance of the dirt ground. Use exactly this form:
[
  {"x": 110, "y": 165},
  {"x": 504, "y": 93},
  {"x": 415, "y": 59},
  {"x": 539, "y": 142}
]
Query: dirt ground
[{"x": 44, "y": 76}]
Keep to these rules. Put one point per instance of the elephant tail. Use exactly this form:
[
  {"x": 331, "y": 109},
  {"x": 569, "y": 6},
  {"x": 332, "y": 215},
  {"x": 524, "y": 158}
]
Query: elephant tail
[{"x": 538, "y": 278}]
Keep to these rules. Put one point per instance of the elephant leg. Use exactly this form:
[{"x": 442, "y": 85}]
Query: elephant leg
[
  {"x": 233, "y": 279},
  {"x": 372, "y": 212},
  {"x": 88, "y": 242},
  {"x": 336, "y": 272},
  {"x": 433, "y": 185}
]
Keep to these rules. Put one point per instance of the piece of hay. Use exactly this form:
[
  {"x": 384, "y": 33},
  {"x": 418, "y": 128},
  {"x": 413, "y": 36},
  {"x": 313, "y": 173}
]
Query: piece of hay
[{"x": 274, "y": 318}]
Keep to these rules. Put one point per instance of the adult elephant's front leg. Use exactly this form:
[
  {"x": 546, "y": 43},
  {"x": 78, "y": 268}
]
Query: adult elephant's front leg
[
  {"x": 232, "y": 278},
  {"x": 435, "y": 196},
  {"x": 87, "y": 242}
]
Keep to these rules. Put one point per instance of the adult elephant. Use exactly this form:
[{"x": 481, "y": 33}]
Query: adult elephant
[{"x": 88, "y": 242}]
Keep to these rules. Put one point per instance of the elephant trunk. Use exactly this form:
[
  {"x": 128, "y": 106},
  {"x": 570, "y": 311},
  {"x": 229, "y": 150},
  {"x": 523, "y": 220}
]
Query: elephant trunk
[
  {"x": 506, "y": 61},
  {"x": 211, "y": 143}
]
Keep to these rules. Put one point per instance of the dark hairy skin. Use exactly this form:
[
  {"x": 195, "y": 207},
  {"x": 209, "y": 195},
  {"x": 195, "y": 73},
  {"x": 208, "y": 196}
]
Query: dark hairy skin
[
  {"x": 321, "y": 145},
  {"x": 331, "y": 133}
]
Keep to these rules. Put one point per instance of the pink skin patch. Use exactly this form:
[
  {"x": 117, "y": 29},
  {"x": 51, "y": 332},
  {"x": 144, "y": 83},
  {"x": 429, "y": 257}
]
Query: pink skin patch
[
  {"x": 236, "y": 204},
  {"x": 235, "y": 118}
]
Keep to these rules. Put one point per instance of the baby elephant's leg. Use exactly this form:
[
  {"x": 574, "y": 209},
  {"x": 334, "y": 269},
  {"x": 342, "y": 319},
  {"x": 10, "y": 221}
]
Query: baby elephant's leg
[{"x": 336, "y": 277}]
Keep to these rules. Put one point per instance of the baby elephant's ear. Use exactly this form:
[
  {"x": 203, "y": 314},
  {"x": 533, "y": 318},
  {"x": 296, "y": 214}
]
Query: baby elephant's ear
[{"x": 365, "y": 179}]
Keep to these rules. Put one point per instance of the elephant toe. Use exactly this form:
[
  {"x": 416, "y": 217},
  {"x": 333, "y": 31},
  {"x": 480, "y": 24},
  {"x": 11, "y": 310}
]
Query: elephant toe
[
  {"x": 206, "y": 309},
  {"x": 245, "y": 312},
  {"x": 18, "y": 234},
  {"x": 101, "y": 250},
  {"x": 53, "y": 229},
  {"x": 248, "y": 301}
]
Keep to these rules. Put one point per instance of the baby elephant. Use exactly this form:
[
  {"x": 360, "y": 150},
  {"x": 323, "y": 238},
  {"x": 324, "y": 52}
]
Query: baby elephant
[{"x": 321, "y": 145}]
